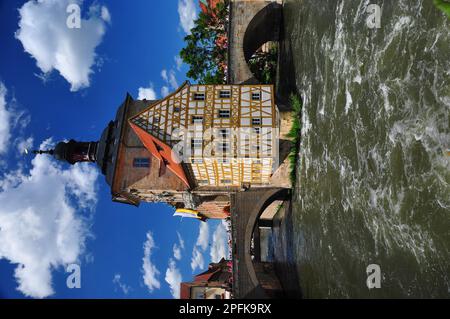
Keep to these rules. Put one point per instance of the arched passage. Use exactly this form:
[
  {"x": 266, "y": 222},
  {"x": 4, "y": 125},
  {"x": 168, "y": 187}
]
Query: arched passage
[
  {"x": 247, "y": 207},
  {"x": 256, "y": 23},
  {"x": 264, "y": 27}
]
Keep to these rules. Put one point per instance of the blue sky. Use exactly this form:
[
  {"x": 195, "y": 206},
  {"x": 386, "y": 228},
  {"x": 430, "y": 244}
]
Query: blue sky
[{"x": 56, "y": 84}]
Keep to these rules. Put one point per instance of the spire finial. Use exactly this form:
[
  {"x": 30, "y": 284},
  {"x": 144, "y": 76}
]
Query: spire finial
[{"x": 41, "y": 152}]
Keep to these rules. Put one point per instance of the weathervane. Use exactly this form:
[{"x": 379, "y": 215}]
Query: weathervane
[
  {"x": 40, "y": 152},
  {"x": 26, "y": 152}
]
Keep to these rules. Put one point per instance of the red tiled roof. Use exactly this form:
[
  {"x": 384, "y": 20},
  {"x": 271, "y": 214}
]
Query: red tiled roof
[
  {"x": 161, "y": 151},
  {"x": 204, "y": 276}
]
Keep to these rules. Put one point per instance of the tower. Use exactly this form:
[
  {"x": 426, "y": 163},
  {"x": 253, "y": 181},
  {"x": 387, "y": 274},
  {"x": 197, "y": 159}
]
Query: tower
[
  {"x": 73, "y": 152},
  {"x": 191, "y": 149}
]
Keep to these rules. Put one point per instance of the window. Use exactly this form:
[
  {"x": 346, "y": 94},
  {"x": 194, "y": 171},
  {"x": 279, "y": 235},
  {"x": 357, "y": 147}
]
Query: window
[
  {"x": 196, "y": 143},
  {"x": 197, "y": 119},
  {"x": 224, "y": 113},
  {"x": 156, "y": 120},
  {"x": 199, "y": 295},
  {"x": 141, "y": 162},
  {"x": 256, "y": 96},
  {"x": 197, "y": 161},
  {"x": 223, "y": 160},
  {"x": 223, "y": 133},
  {"x": 176, "y": 109},
  {"x": 199, "y": 96},
  {"x": 203, "y": 182},
  {"x": 257, "y": 130},
  {"x": 223, "y": 147},
  {"x": 256, "y": 121},
  {"x": 225, "y": 181},
  {"x": 224, "y": 94}
]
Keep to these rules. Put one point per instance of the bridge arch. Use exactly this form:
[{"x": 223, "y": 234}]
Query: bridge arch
[
  {"x": 247, "y": 208},
  {"x": 263, "y": 27},
  {"x": 252, "y": 23}
]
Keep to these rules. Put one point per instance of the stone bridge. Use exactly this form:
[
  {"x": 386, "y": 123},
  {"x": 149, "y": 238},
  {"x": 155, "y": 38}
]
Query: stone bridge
[
  {"x": 251, "y": 278},
  {"x": 252, "y": 23}
]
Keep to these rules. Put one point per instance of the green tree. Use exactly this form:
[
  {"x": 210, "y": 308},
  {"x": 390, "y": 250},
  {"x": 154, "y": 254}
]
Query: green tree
[
  {"x": 205, "y": 58},
  {"x": 443, "y": 5}
]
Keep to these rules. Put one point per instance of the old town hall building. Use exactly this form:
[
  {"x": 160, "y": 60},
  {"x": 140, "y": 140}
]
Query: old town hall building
[{"x": 190, "y": 149}]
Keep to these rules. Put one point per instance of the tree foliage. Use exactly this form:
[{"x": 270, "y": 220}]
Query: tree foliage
[
  {"x": 264, "y": 65},
  {"x": 443, "y": 5},
  {"x": 205, "y": 52}
]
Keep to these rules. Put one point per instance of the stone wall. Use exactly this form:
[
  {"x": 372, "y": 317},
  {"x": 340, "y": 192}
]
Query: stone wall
[
  {"x": 216, "y": 209},
  {"x": 252, "y": 23}
]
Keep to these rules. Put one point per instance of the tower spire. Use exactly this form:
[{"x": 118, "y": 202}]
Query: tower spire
[
  {"x": 36, "y": 152},
  {"x": 72, "y": 152}
]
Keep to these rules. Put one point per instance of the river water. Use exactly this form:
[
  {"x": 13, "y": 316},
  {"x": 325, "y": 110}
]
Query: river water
[{"x": 373, "y": 174}]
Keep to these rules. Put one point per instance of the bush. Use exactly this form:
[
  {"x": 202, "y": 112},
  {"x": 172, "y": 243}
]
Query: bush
[
  {"x": 295, "y": 134},
  {"x": 264, "y": 65}
]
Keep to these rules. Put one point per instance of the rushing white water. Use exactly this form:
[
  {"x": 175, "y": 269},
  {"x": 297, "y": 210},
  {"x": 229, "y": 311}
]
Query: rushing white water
[{"x": 374, "y": 178}]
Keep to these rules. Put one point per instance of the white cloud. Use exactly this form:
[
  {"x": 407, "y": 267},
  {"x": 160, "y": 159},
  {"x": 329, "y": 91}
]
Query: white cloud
[
  {"x": 173, "y": 275},
  {"x": 178, "y": 62},
  {"x": 176, "y": 252},
  {"x": 197, "y": 260},
  {"x": 106, "y": 16},
  {"x": 89, "y": 258},
  {"x": 11, "y": 179},
  {"x": 150, "y": 271},
  {"x": 164, "y": 91},
  {"x": 40, "y": 228},
  {"x": 146, "y": 93},
  {"x": 173, "y": 80},
  {"x": 180, "y": 240},
  {"x": 178, "y": 247},
  {"x": 4, "y": 121},
  {"x": 187, "y": 13},
  {"x": 164, "y": 75},
  {"x": 203, "y": 234},
  {"x": 44, "y": 34},
  {"x": 173, "y": 278},
  {"x": 170, "y": 79},
  {"x": 19, "y": 118},
  {"x": 219, "y": 246},
  {"x": 117, "y": 280},
  {"x": 24, "y": 144}
]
